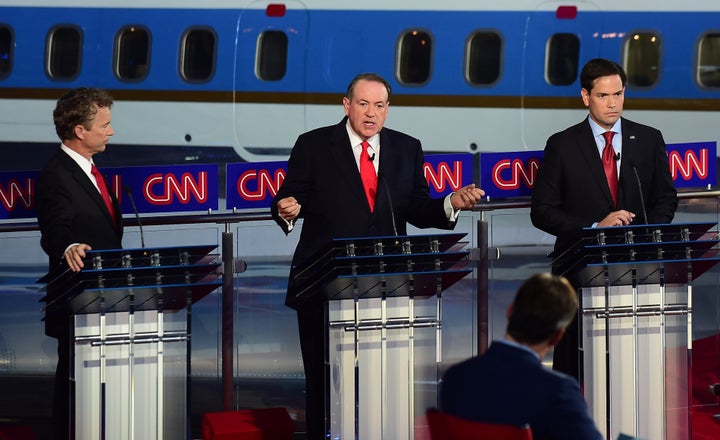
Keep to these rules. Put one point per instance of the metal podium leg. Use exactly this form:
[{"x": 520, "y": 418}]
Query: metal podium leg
[
  {"x": 356, "y": 312},
  {"x": 608, "y": 373},
  {"x": 689, "y": 347},
  {"x": 383, "y": 364},
  {"x": 663, "y": 328},
  {"x": 103, "y": 366},
  {"x": 411, "y": 365},
  {"x": 636, "y": 342},
  {"x": 160, "y": 369},
  {"x": 131, "y": 369}
]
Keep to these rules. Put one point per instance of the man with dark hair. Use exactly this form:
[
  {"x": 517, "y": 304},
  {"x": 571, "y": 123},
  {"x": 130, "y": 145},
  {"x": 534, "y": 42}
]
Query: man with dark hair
[
  {"x": 76, "y": 213},
  {"x": 592, "y": 174},
  {"x": 508, "y": 385},
  {"x": 332, "y": 183}
]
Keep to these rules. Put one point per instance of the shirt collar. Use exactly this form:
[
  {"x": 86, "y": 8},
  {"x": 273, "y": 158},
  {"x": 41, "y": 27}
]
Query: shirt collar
[
  {"x": 598, "y": 130},
  {"x": 85, "y": 164}
]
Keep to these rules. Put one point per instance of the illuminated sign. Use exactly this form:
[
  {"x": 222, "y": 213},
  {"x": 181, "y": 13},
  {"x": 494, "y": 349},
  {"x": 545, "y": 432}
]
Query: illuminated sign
[
  {"x": 505, "y": 175},
  {"x": 183, "y": 188},
  {"x": 170, "y": 188},
  {"x": 253, "y": 185},
  {"x": 17, "y": 194},
  {"x": 446, "y": 173}
]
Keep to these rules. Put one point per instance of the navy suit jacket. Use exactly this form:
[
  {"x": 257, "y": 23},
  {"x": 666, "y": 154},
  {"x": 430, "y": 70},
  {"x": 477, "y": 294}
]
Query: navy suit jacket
[
  {"x": 71, "y": 210},
  {"x": 509, "y": 385},
  {"x": 571, "y": 190},
  {"x": 324, "y": 178}
]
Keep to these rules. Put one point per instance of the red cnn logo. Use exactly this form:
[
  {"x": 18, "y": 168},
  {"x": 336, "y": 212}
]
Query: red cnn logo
[
  {"x": 162, "y": 189},
  {"x": 254, "y": 185},
  {"x": 445, "y": 177},
  {"x": 519, "y": 171},
  {"x": 15, "y": 192},
  {"x": 685, "y": 166}
]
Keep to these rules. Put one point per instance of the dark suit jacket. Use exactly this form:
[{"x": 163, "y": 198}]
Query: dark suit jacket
[
  {"x": 571, "y": 190},
  {"x": 324, "y": 178},
  {"x": 509, "y": 385},
  {"x": 71, "y": 210}
]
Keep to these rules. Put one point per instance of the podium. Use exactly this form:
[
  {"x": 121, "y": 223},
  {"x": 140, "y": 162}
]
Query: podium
[
  {"x": 131, "y": 311},
  {"x": 379, "y": 339},
  {"x": 636, "y": 309}
]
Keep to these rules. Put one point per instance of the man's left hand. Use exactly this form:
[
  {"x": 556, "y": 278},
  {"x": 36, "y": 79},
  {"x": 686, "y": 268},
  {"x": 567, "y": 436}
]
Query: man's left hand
[{"x": 466, "y": 197}]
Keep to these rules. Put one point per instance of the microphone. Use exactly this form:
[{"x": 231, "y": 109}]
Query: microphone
[
  {"x": 137, "y": 216},
  {"x": 616, "y": 156},
  {"x": 381, "y": 178},
  {"x": 371, "y": 158},
  {"x": 642, "y": 199}
]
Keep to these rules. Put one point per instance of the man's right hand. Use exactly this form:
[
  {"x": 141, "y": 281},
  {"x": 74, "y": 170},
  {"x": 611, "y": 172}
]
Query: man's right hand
[
  {"x": 288, "y": 208},
  {"x": 617, "y": 218},
  {"x": 74, "y": 256}
]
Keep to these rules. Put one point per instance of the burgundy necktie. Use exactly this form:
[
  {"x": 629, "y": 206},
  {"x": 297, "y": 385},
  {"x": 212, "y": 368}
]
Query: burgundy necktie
[
  {"x": 608, "y": 158},
  {"x": 368, "y": 175},
  {"x": 104, "y": 192}
]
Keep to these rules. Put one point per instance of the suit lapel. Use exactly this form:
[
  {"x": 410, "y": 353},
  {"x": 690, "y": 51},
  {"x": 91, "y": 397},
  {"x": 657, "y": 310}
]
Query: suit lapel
[
  {"x": 344, "y": 160},
  {"x": 629, "y": 155},
  {"x": 86, "y": 184},
  {"x": 588, "y": 147}
]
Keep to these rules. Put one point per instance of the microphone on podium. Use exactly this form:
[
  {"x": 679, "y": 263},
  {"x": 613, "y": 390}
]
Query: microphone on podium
[
  {"x": 381, "y": 178},
  {"x": 137, "y": 216},
  {"x": 639, "y": 185}
]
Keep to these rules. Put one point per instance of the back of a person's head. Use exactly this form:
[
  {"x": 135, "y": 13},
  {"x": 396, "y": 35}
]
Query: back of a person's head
[{"x": 543, "y": 304}]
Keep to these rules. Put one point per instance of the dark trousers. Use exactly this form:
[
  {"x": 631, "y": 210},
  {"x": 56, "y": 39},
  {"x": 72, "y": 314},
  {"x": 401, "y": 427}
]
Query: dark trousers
[
  {"x": 567, "y": 357},
  {"x": 62, "y": 397},
  {"x": 313, "y": 329}
]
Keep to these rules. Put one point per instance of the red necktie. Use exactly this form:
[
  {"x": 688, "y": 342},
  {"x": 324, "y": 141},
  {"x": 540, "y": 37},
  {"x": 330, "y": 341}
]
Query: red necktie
[
  {"x": 368, "y": 175},
  {"x": 608, "y": 158},
  {"x": 104, "y": 192}
]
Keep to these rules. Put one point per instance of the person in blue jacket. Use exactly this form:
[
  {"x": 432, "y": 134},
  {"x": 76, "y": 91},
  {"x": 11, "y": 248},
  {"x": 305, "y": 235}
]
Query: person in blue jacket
[{"x": 509, "y": 384}]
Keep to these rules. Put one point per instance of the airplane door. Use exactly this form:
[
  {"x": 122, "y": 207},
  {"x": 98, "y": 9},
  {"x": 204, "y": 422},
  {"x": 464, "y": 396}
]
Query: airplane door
[
  {"x": 560, "y": 37},
  {"x": 269, "y": 79}
]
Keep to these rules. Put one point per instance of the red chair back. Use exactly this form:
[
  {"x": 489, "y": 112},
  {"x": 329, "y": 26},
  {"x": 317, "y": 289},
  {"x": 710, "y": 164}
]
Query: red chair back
[{"x": 448, "y": 427}]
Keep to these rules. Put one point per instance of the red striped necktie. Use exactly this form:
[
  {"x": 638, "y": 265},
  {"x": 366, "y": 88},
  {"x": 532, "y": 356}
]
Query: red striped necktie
[
  {"x": 104, "y": 192},
  {"x": 368, "y": 175},
  {"x": 608, "y": 158}
]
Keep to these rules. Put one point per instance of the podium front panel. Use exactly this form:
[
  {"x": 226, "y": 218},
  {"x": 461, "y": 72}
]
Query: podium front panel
[
  {"x": 635, "y": 364},
  {"x": 395, "y": 376},
  {"x": 130, "y": 311},
  {"x": 143, "y": 390}
]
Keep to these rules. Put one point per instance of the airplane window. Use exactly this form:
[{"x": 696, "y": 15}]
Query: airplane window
[
  {"x": 197, "y": 55},
  {"x": 63, "y": 53},
  {"x": 6, "y": 51},
  {"x": 483, "y": 58},
  {"x": 132, "y": 53},
  {"x": 642, "y": 59},
  {"x": 561, "y": 63},
  {"x": 272, "y": 51},
  {"x": 414, "y": 55},
  {"x": 708, "y": 64}
]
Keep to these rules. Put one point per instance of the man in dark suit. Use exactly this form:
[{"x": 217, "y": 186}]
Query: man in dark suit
[
  {"x": 74, "y": 217},
  {"x": 572, "y": 190},
  {"x": 509, "y": 385},
  {"x": 324, "y": 187}
]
